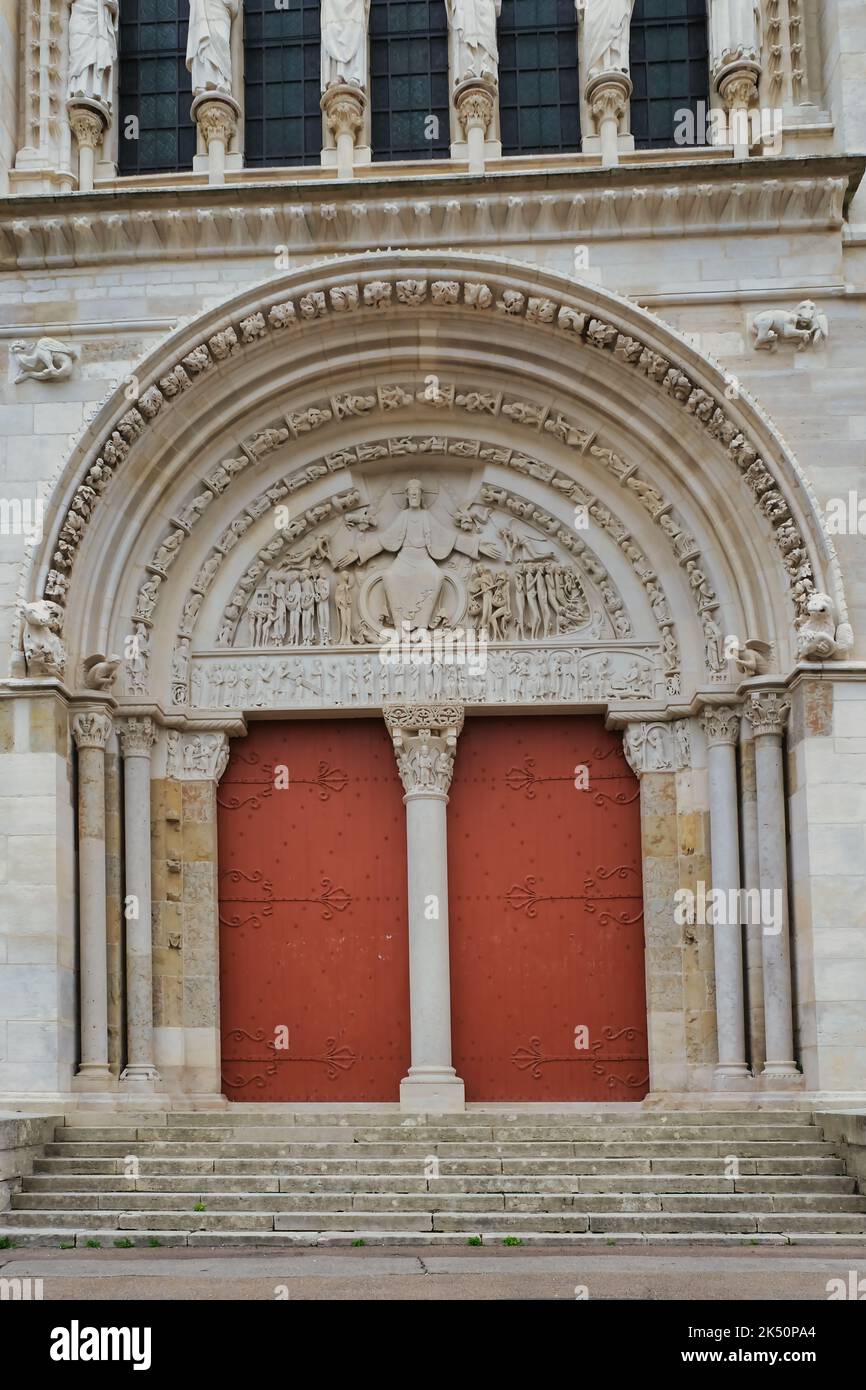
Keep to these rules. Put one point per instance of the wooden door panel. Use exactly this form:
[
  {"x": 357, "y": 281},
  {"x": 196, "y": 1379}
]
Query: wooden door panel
[
  {"x": 312, "y": 882},
  {"x": 546, "y": 913}
]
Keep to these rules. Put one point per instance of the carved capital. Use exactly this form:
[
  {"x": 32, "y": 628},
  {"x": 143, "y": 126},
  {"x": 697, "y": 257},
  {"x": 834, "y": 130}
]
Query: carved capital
[
  {"x": 657, "y": 747},
  {"x": 767, "y": 712},
  {"x": 88, "y": 121},
  {"x": 425, "y": 744},
  {"x": 217, "y": 118},
  {"x": 721, "y": 725},
  {"x": 474, "y": 102},
  {"x": 738, "y": 85},
  {"x": 91, "y": 729},
  {"x": 136, "y": 737},
  {"x": 607, "y": 95},
  {"x": 344, "y": 107}
]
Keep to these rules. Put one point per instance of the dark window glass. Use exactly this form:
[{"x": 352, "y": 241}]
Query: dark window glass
[
  {"x": 409, "y": 79},
  {"x": 282, "y": 77},
  {"x": 539, "y": 109},
  {"x": 155, "y": 87},
  {"x": 669, "y": 67}
]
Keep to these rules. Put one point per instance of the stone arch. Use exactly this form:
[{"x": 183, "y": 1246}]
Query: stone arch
[{"x": 606, "y": 389}]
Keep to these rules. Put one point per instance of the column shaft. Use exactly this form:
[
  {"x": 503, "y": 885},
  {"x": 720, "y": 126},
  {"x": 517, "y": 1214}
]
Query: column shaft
[
  {"x": 91, "y": 731},
  {"x": 721, "y": 727},
  {"x": 767, "y": 716},
  {"x": 137, "y": 742}
]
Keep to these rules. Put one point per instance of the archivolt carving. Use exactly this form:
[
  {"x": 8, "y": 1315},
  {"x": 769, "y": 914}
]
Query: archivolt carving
[{"x": 497, "y": 298}]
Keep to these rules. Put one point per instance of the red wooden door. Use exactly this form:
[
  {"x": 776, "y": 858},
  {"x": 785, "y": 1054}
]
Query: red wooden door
[
  {"x": 546, "y": 913},
  {"x": 313, "y": 948}
]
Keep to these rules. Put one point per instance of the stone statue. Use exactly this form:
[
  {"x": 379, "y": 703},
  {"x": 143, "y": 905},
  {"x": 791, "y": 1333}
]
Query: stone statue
[
  {"x": 816, "y": 629},
  {"x": 100, "y": 672},
  {"x": 413, "y": 580},
  {"x": 473, "y": 23},
  {"x": 606, "y": 27},
  {"x": 47, "y": 360},
  {"x": 735, "y": 32},
  {"x": 344, "y": 42},
  {"x": 92, "y": 49},
  {"x": 208, "y": 46}
]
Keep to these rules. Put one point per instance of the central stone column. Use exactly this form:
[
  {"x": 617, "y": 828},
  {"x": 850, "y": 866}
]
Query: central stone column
[
  {"x": 136, "y": 739},
  {"x": 425, "y": 743}
]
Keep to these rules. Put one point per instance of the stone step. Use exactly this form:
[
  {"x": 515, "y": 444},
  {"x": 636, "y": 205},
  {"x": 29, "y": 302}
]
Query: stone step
[
  {"x": 480, "y": 1149},
  {"x": 382, "y": 1182},
  {"x": 448, "y": 1167},
  {"x": 429, "y": 1134},
  {"x": 820, "y": 1204},
  {"x": 512, "y": 1222},
  {"x": 240, "y": 1114}
]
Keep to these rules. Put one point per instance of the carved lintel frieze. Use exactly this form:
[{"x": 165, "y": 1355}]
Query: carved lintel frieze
[
  {"x": 658, "y": 747},
  {"x": 425, "y": 743}
]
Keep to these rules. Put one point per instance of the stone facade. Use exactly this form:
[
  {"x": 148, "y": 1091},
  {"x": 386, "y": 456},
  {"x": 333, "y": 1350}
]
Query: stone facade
[{"x": 644, "y": 369}]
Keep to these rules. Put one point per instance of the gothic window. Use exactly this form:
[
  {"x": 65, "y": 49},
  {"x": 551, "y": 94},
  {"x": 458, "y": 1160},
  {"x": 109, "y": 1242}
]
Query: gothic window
[
  {"x": 669, "y": 67},
  {"x": 282, "y": 117},
  {"x": 539, "y": 108},
  {"x": 409, "y": 79},
  {"x": 155, "y": 88}
]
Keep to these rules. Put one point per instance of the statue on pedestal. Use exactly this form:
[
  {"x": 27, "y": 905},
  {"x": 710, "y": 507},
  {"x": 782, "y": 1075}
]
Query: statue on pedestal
[
  {"x": 208, "y": 46},
  {"x": 92, "y": 49}
]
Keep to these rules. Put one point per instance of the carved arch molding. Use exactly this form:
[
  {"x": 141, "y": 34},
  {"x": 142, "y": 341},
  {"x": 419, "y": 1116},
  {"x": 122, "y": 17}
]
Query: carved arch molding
[{"x": 516, "y": 445}]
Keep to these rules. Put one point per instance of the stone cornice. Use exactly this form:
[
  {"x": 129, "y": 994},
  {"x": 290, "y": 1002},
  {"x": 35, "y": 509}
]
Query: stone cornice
[{"x": 694, "y": 197}]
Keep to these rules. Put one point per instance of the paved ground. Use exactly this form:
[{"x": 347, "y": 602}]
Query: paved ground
[{"x": 690, "y": 1272}]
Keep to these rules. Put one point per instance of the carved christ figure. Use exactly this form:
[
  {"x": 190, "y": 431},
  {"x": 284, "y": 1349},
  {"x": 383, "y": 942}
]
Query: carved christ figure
[
  {"x": 92, "y": 49},
  {"x": 208, "y": 45},
  {"x": 606, "y": 26},
  {"x": 473, "y": 23},
  {"x": 413, "y": 580},
  {"x": 344, "y": 42}
]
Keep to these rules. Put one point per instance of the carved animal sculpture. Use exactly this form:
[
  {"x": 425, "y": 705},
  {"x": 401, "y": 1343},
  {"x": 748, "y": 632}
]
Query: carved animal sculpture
[
  {"x": 805, "y": 325},
  {"x": 816, "y": 630},
  {"x": 48, "y": 360},
  {"x": 100, "y": 671}
]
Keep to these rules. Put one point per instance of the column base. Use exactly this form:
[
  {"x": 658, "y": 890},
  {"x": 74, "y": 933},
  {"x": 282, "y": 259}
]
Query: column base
[
  {"x": 436, "y": 1090},
  {"x": 733, "y": 1077},
  {"x": 94, "y": 1076},
  {"x": 139, "y": 1078},
  {"x": 782, "y": 1074}
]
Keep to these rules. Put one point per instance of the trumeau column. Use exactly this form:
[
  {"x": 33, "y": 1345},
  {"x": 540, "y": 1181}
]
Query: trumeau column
[
  {"x": 91, "y": 729},
  {"x": 425, "y": 743},
  {"x": 605, "y": 47},
  {"x": 136, "y": 739},
  {"x": 767, "y": 713},
  {"x": 735, "y": 63},
  {"x": 721, "y": 728}
]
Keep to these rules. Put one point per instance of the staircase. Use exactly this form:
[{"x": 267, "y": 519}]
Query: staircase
[{"x": 254, "y": 1175}]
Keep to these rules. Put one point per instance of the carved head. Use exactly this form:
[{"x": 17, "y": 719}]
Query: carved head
[
  {"x": 819, "y": 603},
  {"x": 807, "y": 312},
  {"x": 42, "y": 613},
  {"x": 414, "y": 493}
]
